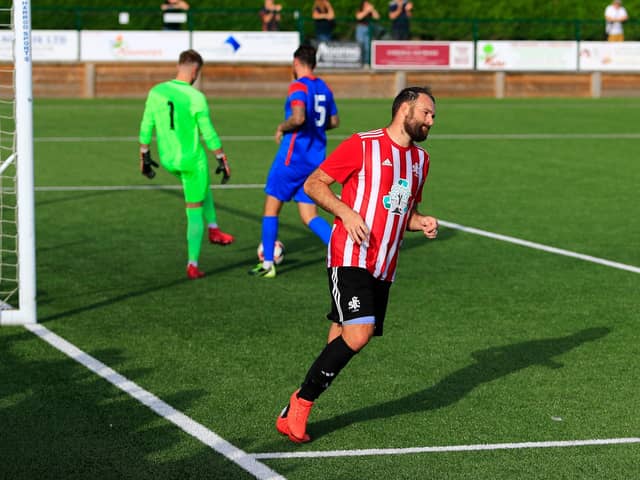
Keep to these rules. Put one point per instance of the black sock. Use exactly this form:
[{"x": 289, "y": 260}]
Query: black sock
[{"x": 325, "y": 369}]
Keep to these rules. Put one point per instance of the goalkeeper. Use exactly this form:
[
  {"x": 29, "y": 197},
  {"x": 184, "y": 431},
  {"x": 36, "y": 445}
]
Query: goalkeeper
[{"x": 180, "y": 114}]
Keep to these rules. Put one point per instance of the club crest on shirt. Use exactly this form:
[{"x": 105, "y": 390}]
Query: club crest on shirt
[{"x": 397, "y": 201}]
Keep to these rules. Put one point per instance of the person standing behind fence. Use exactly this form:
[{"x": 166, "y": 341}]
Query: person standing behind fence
[
  {"x": 364, "y": 15},
  {"x": 399, "y": 14},
  {"x": 173, "y": 6},
  {"x": 270, "y": 14},
  {"x": 615, "y": 15},
  {"x": 324, "y": 18}
]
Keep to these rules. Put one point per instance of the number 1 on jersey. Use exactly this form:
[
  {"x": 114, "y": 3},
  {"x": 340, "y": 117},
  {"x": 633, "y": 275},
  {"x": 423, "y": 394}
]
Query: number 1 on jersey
[{"x": 171, "y": 108}]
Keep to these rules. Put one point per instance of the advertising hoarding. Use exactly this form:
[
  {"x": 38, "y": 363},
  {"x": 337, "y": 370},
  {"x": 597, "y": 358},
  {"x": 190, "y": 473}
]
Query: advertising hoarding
[
  {"x": 47, "y": 45},
  {"x": 527, "y": 56},
  {"x": 239, "y": 47},
  {"x": 397, "y": 55},
  {"x": 609, "y": 56},
  {"x": 132, "y": 46}
]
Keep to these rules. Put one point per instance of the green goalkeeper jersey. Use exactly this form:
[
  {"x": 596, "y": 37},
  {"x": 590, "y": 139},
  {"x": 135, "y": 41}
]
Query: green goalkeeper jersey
[{"x": 180, "y": 114}]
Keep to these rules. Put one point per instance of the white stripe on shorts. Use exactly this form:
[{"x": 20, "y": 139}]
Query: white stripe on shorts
[{"x": 335, "y": 292}]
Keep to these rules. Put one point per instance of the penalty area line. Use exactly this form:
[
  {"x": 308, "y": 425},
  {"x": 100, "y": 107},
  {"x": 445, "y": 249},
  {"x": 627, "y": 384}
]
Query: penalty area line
[
  {"x": 444, "y": 449},
  {"x": 239, "y": 457},
  {"x": 540, "y": 246}
]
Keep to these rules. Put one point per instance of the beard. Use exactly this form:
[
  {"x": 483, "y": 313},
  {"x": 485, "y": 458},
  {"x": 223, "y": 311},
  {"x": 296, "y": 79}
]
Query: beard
[{"x": 415, "y": 129}]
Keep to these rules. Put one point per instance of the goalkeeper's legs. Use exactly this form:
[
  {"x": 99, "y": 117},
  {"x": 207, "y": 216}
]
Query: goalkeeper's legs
[
  {"x": 209, "y": 211},
  {"x": 195, "y": 230}
]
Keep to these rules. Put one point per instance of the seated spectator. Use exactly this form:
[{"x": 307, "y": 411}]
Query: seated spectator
[
  {"x": 173, "y": 6},
  {"x": 270, "y": 15},
  {"x": 324, "y": 19}
]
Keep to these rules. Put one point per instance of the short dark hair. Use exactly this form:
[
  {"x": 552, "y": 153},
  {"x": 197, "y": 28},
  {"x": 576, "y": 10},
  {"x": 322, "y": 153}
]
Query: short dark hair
[
  {"x": 190, "y": 57},
  {"x": 306, "y": 54},
  {"x": 410, "y": 95}
]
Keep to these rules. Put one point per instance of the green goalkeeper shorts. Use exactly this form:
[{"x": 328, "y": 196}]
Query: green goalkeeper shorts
[{"x": 195, "y": 182}]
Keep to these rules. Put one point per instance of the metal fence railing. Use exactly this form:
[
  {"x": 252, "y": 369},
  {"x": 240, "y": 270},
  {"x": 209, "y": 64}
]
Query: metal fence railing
[{"x": 242, "y": 19}]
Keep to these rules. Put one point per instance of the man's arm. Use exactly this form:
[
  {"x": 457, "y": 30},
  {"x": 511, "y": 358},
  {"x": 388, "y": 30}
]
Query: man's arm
[
  {"x": 317, "y": 187},
  {"x": 334, "y": 122},
  {"x": 418, "y": 222},
  {"x": 395, "y": 13},
  {"x": 295, "y": 121}
]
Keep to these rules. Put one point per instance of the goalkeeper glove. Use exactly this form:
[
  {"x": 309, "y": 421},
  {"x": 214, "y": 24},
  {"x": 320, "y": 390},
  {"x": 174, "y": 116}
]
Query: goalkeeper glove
[
  {"x": 148, "y": 164},
  {"x": 223, "y": 167}
]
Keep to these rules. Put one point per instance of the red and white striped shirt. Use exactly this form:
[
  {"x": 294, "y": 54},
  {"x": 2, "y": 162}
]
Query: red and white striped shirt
[{"x": 383, "y": 182}]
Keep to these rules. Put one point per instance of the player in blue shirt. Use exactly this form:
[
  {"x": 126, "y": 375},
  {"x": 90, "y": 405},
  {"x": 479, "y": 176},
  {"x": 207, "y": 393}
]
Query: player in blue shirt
[{"x": 310, "y": 111}]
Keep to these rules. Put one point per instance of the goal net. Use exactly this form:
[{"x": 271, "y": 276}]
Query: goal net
[{"x": 17, "y": 232}]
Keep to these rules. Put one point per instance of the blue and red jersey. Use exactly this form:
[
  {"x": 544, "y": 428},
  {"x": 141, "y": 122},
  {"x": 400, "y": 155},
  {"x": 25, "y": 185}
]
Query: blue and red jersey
[
  {"x": 302, "y": 150},
  {"x": 308, "y": 143}
]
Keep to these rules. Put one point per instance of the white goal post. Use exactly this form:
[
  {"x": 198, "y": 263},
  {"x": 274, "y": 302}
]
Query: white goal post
[{"x": 17, "y": 206}]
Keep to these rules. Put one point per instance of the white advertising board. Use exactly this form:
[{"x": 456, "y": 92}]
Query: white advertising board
[
  {"x": 527, "y": 56},
  {"x": 47, "y": 45},
  {"x": 609, "y": 56},
  {"x": 238, "y": 47},
  {"x": 132, "y": 46}
]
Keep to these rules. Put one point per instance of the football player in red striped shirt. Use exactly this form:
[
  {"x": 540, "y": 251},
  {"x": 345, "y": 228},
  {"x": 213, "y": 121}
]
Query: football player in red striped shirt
[{"x": 382, "y": 173}]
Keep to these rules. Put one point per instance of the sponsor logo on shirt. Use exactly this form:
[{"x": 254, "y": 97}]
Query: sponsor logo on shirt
[{"x": 397, "y": 201}]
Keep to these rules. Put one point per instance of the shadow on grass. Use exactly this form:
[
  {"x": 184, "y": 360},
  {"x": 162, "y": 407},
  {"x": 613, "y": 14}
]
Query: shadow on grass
[
  {"x": 59, "y": 420},
  {"x": 489, "y": 364}
]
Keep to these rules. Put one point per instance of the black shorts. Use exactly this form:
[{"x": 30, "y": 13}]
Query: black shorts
[{"x": 357, "y": 297}]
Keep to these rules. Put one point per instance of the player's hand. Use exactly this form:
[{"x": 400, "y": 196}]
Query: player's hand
[
  {"x": 356, "y": 227},
  {"x": 278, "y": 135},
  {"x": 223, "y": 167},
  {"x": 147, "y": 164},
  {"x": 429, "y": 226}
]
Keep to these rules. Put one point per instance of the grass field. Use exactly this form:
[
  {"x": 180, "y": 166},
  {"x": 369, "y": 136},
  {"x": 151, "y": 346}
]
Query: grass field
[{"x": 490, "y": 348}]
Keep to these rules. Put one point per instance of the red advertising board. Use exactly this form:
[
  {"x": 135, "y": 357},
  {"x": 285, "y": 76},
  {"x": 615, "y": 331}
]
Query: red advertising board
[{"x": 421, "y": 55}]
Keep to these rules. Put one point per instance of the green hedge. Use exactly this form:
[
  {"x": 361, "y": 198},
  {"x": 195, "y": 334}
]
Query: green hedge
[{"x": 432, "y": 20}]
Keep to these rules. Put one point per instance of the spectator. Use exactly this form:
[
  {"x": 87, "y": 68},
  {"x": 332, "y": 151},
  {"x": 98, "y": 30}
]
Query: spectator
[
  {"x": 399, "y": 13},
  {"x": 324, "y": 18},
  {"x": 615, "y": 15},
  {"x": 172, "y": 6},
  {"x": 270, "y": 15},
  {"x": 364, "y": 15}
]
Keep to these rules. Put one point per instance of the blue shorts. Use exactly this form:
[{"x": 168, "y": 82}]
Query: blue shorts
[{"x": 286, "y": 182}]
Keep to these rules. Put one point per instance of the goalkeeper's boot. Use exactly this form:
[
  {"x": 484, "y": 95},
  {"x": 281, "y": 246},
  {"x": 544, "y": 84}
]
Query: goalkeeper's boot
[
  {"x": 260, "y": 271},
  {"x": 297, "y": 415},
  {"x": 193, "y": 272},
  {"x": 218, "y": 236}
]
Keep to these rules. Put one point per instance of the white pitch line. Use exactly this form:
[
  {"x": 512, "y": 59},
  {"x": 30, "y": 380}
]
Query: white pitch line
[
  {"x": 539, "y": 246},
  {"x": 114, "y": 188},
  {"x": 455, "y": 226},
  {"x": 452, "y": 448},
  {"x": 451, "y": 136},
  {"x": 244, "y": 460}
]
